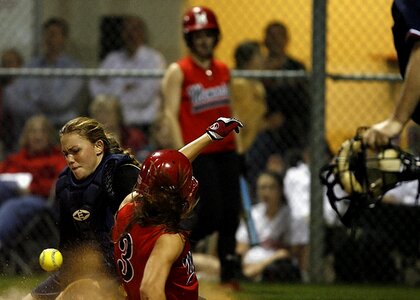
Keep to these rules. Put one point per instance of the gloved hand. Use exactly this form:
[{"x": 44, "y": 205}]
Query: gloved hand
[{"x": 222, "y": 127}]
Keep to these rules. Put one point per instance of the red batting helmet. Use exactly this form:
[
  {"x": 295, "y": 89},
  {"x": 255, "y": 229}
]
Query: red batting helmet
[
  {"x": 199, "y": 18},
  {"x": 171, "y": 171}
]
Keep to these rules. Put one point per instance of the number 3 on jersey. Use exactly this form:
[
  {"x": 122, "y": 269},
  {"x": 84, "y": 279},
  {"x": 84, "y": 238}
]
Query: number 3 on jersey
[{"x": 125, "y": 245}]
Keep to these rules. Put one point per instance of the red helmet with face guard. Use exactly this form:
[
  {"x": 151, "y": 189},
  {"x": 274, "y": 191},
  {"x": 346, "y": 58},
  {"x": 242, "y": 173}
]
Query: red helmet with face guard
[
  {"x": 171, "y": 171},
  {"x": 199, "y": 18}
]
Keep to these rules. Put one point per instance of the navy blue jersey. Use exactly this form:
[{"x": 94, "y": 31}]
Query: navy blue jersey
[
  {"x": 87, "y": 209},
  {"x": 406, "y": 31}
]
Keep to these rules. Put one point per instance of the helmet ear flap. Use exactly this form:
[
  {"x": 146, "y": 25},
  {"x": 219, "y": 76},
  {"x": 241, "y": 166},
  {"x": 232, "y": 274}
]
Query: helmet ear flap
[{"x": 192, "y": 199}]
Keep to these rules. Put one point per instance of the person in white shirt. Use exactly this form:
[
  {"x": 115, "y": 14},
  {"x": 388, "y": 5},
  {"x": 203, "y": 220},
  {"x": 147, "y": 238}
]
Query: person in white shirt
[
  {"x": 297, "y": 184},
  {"x": 270, "y": 260},
  {"x": 271, "y": 216},
  {"x": 140, "y": 97}
]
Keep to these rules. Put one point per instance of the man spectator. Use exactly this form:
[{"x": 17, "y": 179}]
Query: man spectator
[
  {"x": 288, "y": 102},
  {"x": 56, "y": 97},
  {"x": 140, "y": 97},
  {"x": 10, "y": 58}
]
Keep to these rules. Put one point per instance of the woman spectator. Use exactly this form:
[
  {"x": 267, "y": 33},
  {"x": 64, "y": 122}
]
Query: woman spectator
[
  {"x": 107, "y": 110},
  {"x": 270, "y": 260},
  {"x": 272, "y": 221},
  {"x": 28, "y": 176}
]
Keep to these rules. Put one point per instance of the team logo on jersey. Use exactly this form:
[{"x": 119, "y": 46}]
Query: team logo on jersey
[
  {"x": 187, "y": 262},
  {"x": 81, "y": 215},
  {"x": 207, "y": 98}
]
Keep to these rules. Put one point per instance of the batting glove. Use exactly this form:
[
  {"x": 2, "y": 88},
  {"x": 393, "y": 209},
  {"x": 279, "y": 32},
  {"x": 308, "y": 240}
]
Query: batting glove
[{"x": 222, "y": 127}]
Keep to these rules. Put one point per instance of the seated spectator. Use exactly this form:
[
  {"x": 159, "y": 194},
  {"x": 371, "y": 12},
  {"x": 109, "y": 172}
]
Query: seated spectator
[
  {"x": 270, "y": 260},
  {"x": 297, "y": 184},
  {"x": 56, "y": 97},
  {"x": 39, "y": 161},
  {"x": 275, "y": 163},
  {"x": 297, "y": 188},
  {"x": 139, "y": 97},
  {"x": 107, "y": 110},
  {"x": 10, "y": 58}
]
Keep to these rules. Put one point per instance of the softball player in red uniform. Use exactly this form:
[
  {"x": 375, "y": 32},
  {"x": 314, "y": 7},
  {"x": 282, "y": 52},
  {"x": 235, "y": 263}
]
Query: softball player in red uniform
[
  {"x": 196, "y": 91},
  {"x": 151, "y": 250}
]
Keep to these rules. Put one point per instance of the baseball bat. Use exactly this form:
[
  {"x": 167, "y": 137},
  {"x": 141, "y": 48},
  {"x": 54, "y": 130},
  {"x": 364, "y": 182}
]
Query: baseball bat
[{"x": 247, "y": 207}]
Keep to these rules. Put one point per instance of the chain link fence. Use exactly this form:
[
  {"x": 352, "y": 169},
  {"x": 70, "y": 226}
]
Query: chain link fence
[{"x": 344, "y": 75}]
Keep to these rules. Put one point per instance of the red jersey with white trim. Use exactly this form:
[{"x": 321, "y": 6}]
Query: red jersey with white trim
[
  {"x": 132, "y": 250},
  {"x": 204, "y": 98}
]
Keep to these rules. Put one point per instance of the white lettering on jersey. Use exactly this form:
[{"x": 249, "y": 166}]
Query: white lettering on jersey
[
  {"x": 203, "y": 99},
  {"x": 187, "y": 262}
]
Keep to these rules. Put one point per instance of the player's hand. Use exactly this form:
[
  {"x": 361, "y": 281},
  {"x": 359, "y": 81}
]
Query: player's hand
[
  {"x": 222, "y": 127},
  {"x": 380, "y": 134}
]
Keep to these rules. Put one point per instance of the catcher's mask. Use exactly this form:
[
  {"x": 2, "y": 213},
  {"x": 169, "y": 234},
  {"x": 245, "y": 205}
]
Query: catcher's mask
[{"x": 358, "y": 177}]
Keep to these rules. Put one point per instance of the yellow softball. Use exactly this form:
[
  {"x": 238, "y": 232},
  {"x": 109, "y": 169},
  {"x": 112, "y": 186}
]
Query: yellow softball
[{"x": 50, "y": 259}]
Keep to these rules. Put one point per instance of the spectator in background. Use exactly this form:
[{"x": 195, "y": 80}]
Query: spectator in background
[
  {"x": 196, "y": 91},
  {"x": 288, "y": 101},
  {"x": 56, "y": 97},
  {"x": 139, "y": 97},
  {"x": 107, "y": 110},
  {"x": 270, "y": 260},
  {"x": 271, "y": 215},
  {"x": 297, "y": 185},
  {"x": 41, "y": 161},
  {"x": 248, "y": 95},
  {"x": 275, "y": 163},
  {"x": 248, "y": 103},
  {"x": 10, "y": 58}
]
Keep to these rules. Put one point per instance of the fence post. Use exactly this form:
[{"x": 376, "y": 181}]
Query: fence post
[{"x": 317, "y": 139}]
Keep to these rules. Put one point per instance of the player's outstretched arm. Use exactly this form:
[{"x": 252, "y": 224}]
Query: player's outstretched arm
[{"x": 218, "y": 130}]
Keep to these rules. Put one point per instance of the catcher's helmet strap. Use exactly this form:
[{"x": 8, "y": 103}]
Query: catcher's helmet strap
[{"x": 326, "y": 173}]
